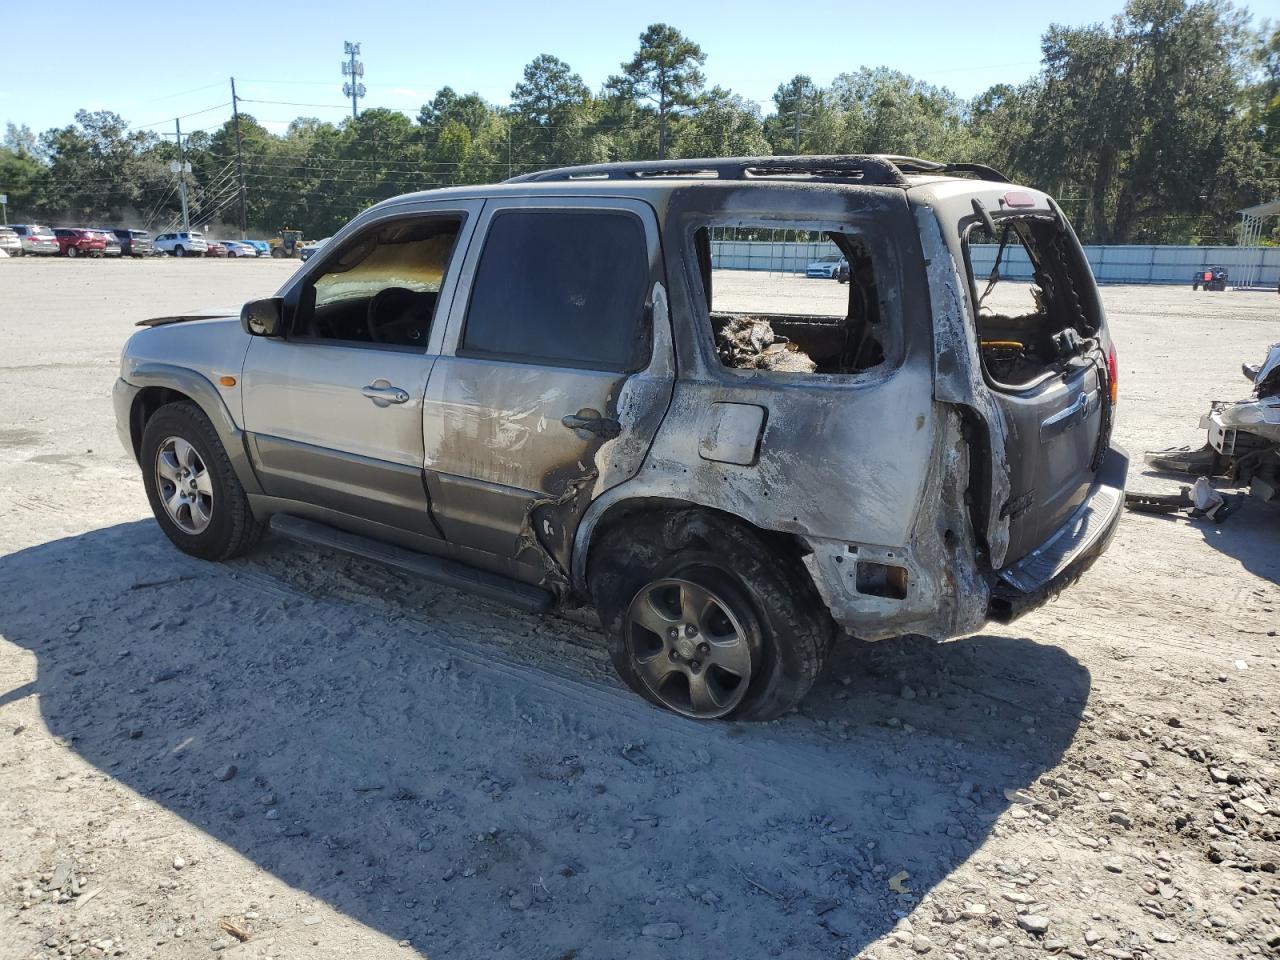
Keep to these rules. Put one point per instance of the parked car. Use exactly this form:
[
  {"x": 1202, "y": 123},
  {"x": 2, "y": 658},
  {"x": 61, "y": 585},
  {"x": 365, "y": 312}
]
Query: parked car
[
  {"x": 133, "y": 243},
  {"x": 10, "y": 242},
  {"x": 239, "y": 248},
  {"x": 214, "y": 248},
  {"x": 261, "y": 247},
  {"x": 190, "y": 244},
  {"x": 540, "y": 418},
  {"x": 79, "y": 242},
  {"x": 36, "y": 239},
  {"x": 308, "y": 250},
  {"x": 823, "y": 268},
  {"x": 112, "y": 248},
  {"x": 1211, "y": 278}
]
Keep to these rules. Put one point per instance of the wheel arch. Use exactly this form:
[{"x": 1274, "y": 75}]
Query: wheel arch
[
  {"x": 162, "y": 384},
  {"x": 607, "y": 512}
]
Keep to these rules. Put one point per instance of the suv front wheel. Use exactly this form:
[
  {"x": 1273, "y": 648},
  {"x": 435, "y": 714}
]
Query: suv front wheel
[
  {"x": 705, "y": 618},
  {"x": 193, "y": 489}
]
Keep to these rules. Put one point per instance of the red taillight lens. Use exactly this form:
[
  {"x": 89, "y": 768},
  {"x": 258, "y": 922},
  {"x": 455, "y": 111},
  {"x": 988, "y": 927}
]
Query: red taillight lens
[{"x": 1113, "y": 373}]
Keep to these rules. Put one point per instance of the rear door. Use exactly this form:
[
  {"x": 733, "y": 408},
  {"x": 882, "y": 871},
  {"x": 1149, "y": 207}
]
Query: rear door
[
  {"x": 1040, "y": 332},
  {"x": 557, "y": 372}
]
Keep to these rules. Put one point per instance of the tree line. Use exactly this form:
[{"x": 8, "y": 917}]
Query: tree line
[{"x": 1153, "y": 128}]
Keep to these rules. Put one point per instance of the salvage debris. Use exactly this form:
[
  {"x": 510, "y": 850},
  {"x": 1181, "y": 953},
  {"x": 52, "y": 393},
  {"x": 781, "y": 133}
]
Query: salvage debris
[
  {"x": 1243, "y": 446},
  {"x": 1200, "y": 501},
  {"x": 749, "y": 343}
]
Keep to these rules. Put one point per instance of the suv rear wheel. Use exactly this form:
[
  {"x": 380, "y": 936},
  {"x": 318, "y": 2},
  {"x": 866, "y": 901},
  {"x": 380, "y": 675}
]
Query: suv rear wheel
[
  {"x": 178, "y": 251},
  {"x": 704, "y": 618},
  {"x": 193, "y": 489}
]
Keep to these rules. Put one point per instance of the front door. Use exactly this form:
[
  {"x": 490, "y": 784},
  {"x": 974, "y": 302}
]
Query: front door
[
  {"x": 333, "y": 409},
  {"x": 557, "y": 371}
]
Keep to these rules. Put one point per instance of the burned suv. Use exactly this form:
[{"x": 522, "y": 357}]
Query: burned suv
[{"x": 564, "y": 390}]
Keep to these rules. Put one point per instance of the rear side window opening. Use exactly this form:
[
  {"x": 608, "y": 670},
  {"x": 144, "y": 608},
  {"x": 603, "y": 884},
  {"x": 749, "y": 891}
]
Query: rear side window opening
[
  {"x": 767, "y": 315},
  {"x": 1025, "y": 283}
]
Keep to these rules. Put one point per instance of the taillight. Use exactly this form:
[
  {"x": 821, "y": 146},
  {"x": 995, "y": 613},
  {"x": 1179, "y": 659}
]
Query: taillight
[{"x": 1113, "y": 373}]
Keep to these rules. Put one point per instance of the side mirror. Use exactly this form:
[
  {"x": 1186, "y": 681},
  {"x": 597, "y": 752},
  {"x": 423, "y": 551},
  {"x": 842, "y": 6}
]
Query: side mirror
[{"x": 263, "y": 318}]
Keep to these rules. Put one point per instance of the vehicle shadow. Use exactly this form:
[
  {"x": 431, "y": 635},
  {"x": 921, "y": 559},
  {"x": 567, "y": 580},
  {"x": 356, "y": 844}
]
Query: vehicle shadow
[
  {"x": 1250, "y": 534},
  {"x": 428, "y": 786}
]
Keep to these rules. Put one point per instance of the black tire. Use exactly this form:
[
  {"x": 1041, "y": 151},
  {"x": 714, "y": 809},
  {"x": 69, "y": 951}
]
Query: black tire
[
  {"x": 72, "y": 252},
  {"x": 771, "y": 596},
  {"x": 232, "y": 528},
  {"x": 179, "y": 251}
]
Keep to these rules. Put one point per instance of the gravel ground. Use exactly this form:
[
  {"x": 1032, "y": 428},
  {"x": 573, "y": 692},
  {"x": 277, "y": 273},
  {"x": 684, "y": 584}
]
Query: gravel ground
[{"x": 300, "y": 755}]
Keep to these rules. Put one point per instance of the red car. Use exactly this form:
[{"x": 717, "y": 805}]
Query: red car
[
  {"x": 76, "y": 242},
  {"x": 216, "y": 249}
]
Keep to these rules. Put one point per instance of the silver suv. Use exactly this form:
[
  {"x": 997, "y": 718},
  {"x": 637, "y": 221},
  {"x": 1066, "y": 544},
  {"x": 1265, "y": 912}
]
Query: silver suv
[{"x": 565, "y": 390}]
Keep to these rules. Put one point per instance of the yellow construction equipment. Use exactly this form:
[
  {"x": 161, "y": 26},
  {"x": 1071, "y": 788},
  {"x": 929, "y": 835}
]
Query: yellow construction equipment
[{"x": 285, "y": 243}]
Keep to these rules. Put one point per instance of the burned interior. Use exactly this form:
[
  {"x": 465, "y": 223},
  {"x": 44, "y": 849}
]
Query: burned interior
[
  {"x": 383, "y": 287},
  {"x": 842, "y": 336},
  {"x": 1031, "y": 319}
]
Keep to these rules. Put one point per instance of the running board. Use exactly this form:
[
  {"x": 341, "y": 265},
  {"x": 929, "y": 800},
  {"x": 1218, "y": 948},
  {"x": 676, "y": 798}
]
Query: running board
[{"x": 491, "y": 586}]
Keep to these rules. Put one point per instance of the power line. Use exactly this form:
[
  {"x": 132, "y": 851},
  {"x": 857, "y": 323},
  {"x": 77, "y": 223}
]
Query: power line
[
  {"x": 197, "y": 113},
  {"x": 294, "y": 103}
]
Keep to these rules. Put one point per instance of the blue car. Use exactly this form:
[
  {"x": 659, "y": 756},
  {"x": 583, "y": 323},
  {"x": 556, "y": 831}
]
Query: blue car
[{"x": 263, "y": 248}]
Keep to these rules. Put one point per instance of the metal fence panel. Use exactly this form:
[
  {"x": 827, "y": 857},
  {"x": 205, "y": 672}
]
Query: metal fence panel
[{"x": 1133, "y": 263}]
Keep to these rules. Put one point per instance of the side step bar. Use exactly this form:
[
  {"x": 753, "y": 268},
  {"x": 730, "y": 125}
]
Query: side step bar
[{"x": 491, "y": 586}]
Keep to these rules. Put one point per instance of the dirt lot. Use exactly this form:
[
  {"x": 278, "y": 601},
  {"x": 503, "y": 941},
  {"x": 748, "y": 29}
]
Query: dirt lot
[{"x": 333, "y": 761}]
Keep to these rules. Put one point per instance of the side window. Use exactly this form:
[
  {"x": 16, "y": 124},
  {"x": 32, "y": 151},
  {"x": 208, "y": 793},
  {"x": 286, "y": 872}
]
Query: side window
[
  {"x": 791, "y": 297},
  {"x": 382, "y": 286},
  {"x": 562, "y": 288}
]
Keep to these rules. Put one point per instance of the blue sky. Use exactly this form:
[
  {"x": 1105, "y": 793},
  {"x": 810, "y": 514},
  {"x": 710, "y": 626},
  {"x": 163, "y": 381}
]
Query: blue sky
[{"x": 151, "y": 62}]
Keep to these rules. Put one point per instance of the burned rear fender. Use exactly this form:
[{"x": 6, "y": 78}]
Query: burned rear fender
[
  {"x": 957, "y": 380},
  {"x": 935, "y": 585}
]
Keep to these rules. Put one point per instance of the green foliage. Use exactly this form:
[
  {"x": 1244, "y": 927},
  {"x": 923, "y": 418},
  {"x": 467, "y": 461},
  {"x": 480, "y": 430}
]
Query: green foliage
[
  {"x": 1155, "y": 127},
  {"x": 1140, "y": 120},
  {"x": 665, "y": 76}
]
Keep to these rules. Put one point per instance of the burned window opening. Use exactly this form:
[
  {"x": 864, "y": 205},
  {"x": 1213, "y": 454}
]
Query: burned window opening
[
  {"x": 1031, "y": 323},
  {"x": 777, "y": 320}
]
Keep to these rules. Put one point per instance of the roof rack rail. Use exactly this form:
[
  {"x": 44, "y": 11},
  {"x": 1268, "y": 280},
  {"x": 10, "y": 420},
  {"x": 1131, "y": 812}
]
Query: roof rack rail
[
  {"x": 917, "y": 165},
  {"x": 868, "y": 169}
]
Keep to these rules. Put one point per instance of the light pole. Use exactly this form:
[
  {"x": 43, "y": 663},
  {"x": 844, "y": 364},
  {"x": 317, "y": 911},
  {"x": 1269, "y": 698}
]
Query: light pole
[
  {"x": 181, "y": 168},
  {"x": 353, "y": 68}
]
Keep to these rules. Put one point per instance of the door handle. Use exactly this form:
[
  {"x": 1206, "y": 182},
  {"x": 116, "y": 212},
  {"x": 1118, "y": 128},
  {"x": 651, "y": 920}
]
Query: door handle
[
  {"x": 382, "y": 393},
  {"x": 587, "y": 422}
]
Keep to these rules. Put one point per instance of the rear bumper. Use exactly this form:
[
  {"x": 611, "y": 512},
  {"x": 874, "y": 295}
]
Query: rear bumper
[{"x": 1070, "y": 551}]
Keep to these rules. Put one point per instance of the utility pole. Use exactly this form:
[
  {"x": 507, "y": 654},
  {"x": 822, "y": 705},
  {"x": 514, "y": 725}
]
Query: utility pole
[
  {"x": 235, "y": 114},
  {"x": 796, "y": 117},
  {"x": 353, "y": 68},
  {"x": 181, "y": 168}
]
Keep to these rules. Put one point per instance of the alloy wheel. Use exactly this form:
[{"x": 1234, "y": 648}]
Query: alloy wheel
[
  {"x": 185, "y": 487},
  {"x": 688, "y": 648}
]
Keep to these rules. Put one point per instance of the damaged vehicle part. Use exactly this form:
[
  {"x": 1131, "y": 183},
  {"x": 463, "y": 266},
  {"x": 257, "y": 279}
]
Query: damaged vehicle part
[
  {"x": 1243, "y": 442},
  {"x": 551, "y": 391}
]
